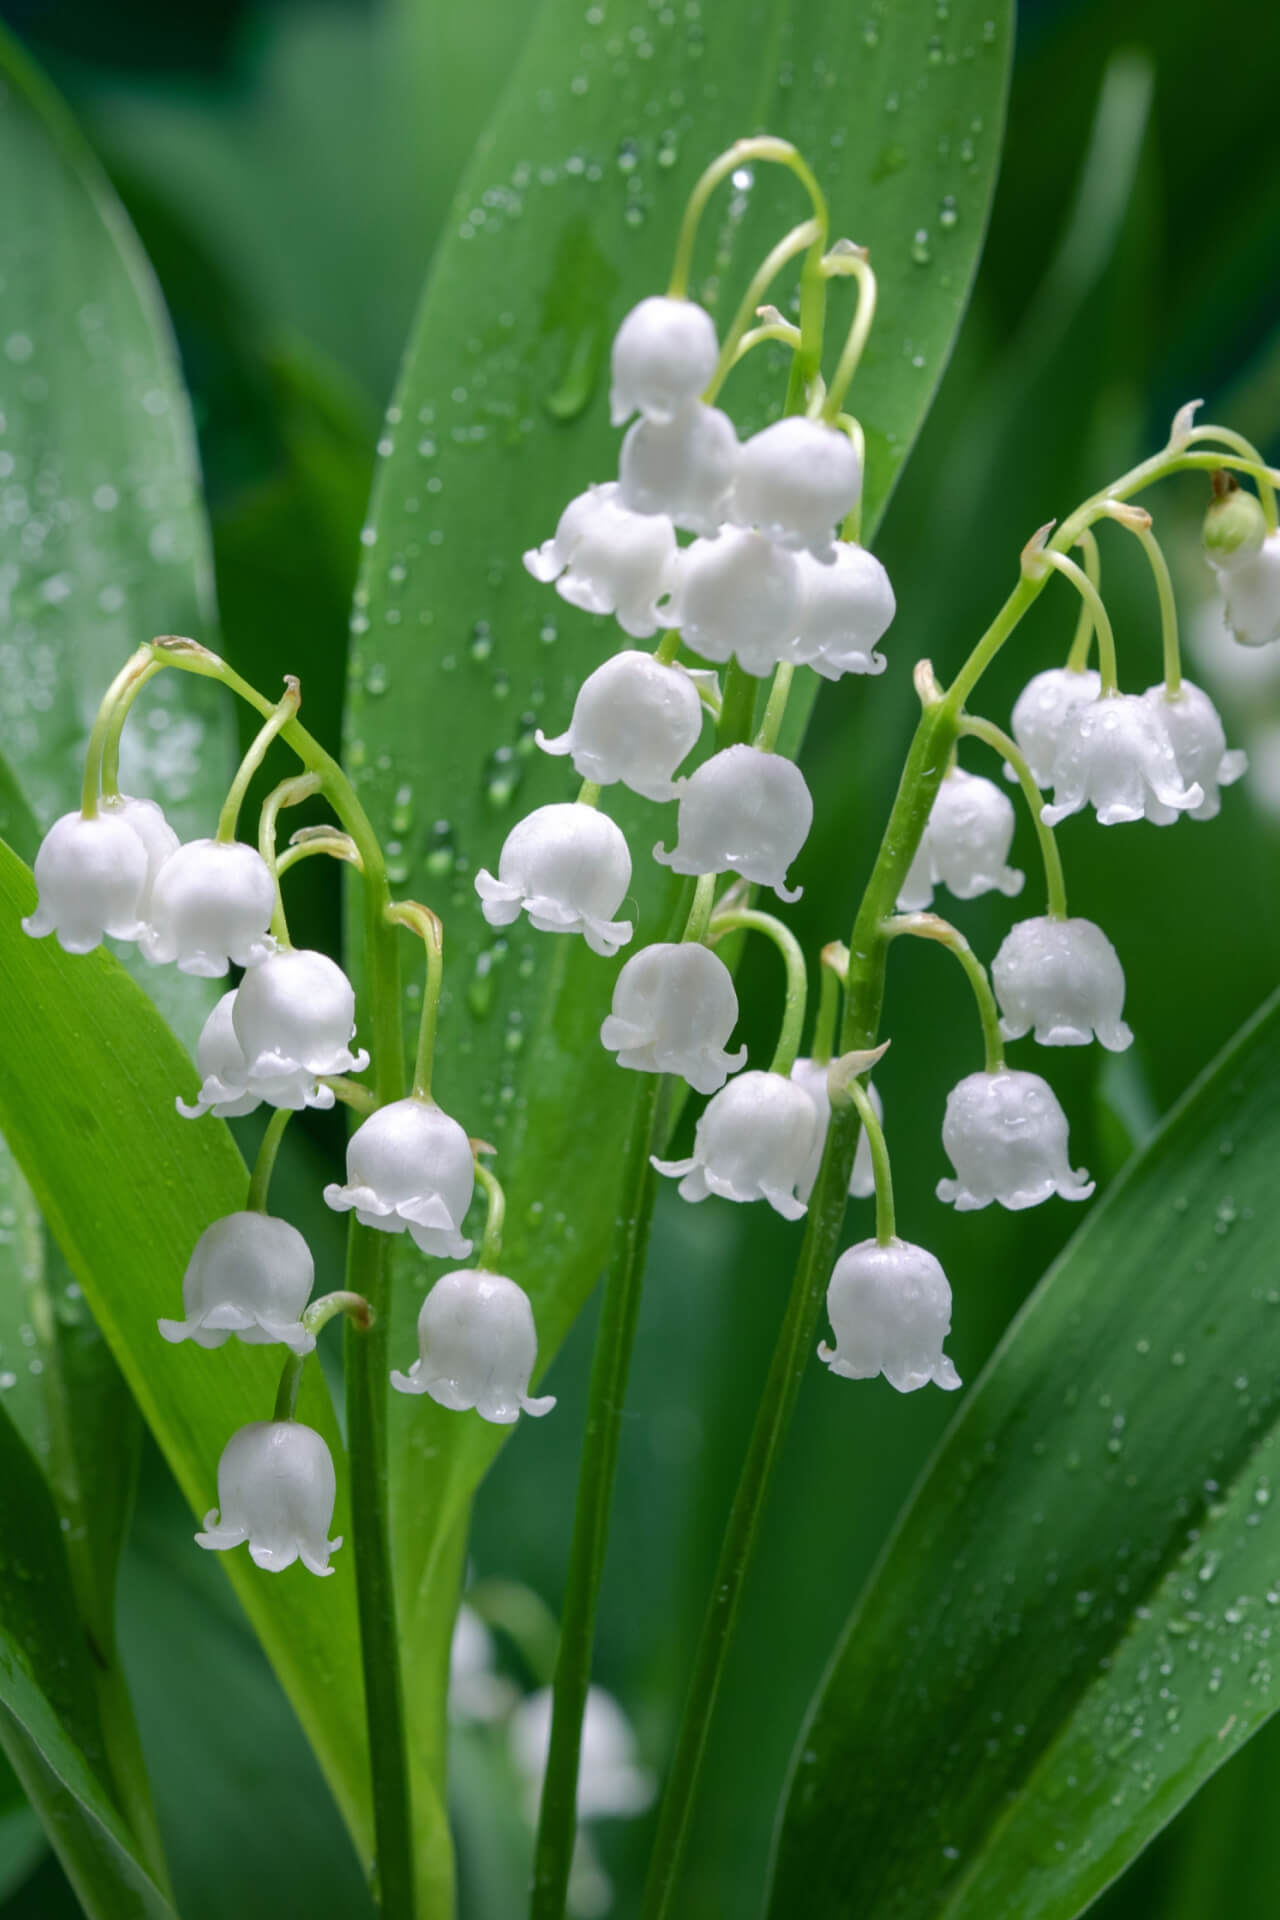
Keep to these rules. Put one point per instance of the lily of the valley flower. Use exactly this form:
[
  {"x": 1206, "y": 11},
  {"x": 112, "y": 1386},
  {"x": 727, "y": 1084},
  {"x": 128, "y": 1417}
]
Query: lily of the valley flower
[
  {"x": 276, "y": 1490},
  {"x": 223, "y": 1081},
  {"x": 1115, "y": 754},
  {"x": 742, "y": 811},
  {"x": 477, "y": 1347},
  {"x": 674, "y": 1008},
  {"x": 606, "y": 559},
  {"x": 410, "y": 1167},
  {"x": 844, "y": 609},
  {"x": 90, "y": 875},
  {"x": 753, "y": 1142},
  {"x": 1250, "y": 582},
  {"x": 1064, "y": 979},
  {"x": 250, "y": 1275},
  {"x": 294, "y": 1016},
  {"x": 796, "y": 482},
  {"x": 738, "y": 594},
  {"x": 611, "y": 1783},
  {"x": 965, "y": 844},
  {"x": 1191, "y": 721},
  {"x": 211, "y": 903},
  {"x": 568, "y": 867},
  {"x": 890, "y": 1310},
  {"x": 664, "y": 354},
  {"x": 1006, "y": 1136},
  {"x": 634, "y": 720},
  {"x": 146, "y": 819},
  {"x": 683, "y": 467},
  {"x": 812, "y": 1076},
  {"x": 1041, "y": 710}
]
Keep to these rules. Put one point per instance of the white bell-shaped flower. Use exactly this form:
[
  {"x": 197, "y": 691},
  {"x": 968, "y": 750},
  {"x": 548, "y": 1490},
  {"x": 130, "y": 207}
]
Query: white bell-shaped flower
[
  {"x": 477, "y": 1691},
  {"x": 1007, "y": 1139},
  {"x": 1041, "y": 710},
  {"x": 211, "y": 903},
  {"x": 796, "y": 482},
  {"x": 568, "y": 867},
  {"x": 90, "y": 876},
  {"x": 1116, "y": 755},
  {"x": 664, "y": 354},
  {"x": 738, "y": 594},
  {"x": 890, "y": 1311},
  {"x": 250, "y": 1275},
  {"x": 276, "y": 1489},
  {"x": 1250, "y": 582},
  {"x": 742, "y": 811},
  {"x": 294, "y": 1016},
  {"x": 674, "y": 1008},
  {"x": 634, "y": 720},
  {"x": 1199, "y": 744},
  {"x": 845, "y": 608},
  {"x": 606, "y": 559},
  {"x": 753, "y": 1142},
  {"x": 146, "y": 819},
  {"x": 683, "y": 467},
  {"x": 965, "y": 844},
  {"x": 611, "y": 1783},
  {"x": 410, "y": 1166},
  {"x": 812, "y": 1076},
  {"x": 224, "y": 1088},
  {"x": 477, "y": 1347},
  {"x": 1064, "y": 979}
]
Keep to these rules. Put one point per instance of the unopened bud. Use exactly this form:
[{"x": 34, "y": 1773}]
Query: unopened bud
[{"x": 1234, "y": 522}]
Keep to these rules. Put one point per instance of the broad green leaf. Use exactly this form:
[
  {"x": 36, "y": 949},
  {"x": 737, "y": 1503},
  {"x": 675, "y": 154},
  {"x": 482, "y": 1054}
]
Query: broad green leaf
[
  {"x": 126, "y": 1185},
  {"x": 1072, "y": 1627},
  {"x": 566, "y": 218},
  {"x": 103, "y": 541}
]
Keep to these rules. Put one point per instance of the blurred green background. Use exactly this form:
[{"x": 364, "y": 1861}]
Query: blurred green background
[{"x": 287, "y": 167}]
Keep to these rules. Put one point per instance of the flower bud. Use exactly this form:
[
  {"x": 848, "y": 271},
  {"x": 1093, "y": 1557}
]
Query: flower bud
[
  {"x": 610, "y": 1782},
  {"x": 890, "y": 1310},
  {"x": 674, "y": 1008},
  {"x": 293, "y": 1017},
  {"x": 664, "y": 354},
  {"x": 1115, "y": 755},
  {"x": 276, "y": 1489},
  {"x": 250, "y": 1274},
  {"x": 812, "y": 1076},
  {"x": 568, "y": 867},
  {"x": 477, "y": 1347},
  {"x": 1006, "y": 1136},
  {"x": 146, "y": 819},
  {"x": 606, "y": 560},
  {"x": 1234, "y": 525},
  {"x": 753, "y": 1142},
  {"x": 1041, "y": 711},
  {"x": 410, "y": 1166},
  {"x": 965, "y": 844},
  {"x": 796, "y": 482},
  {"x": 634, "y": 720},
  {"x": 844, "y": 609},
  {"x": 1191, "y": 721},
  {"x": 683, "y": 467},
  {"x": 211, "y": 903},
  {"x": 1250, "y": 582},
  {"x": 91, "y": 875},
  {"x": 742, "y": 811},
  {"x": 1064, "y": 978},
  {"x": 738, "y": 594}
]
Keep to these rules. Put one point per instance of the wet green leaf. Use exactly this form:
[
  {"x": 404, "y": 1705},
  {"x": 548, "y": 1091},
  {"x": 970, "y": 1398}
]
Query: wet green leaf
[{"x": 1072, "y": 1626}]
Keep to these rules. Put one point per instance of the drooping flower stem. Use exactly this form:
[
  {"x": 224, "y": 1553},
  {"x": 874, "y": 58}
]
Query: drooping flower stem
[
  {"x": 762, "y": 147},
  {"x": 791, "y": 244},
  {"x": 792, "y": 1028},
  {"x": 264, "y": 1165},
  {"x": 776, "y": 708},
  {"x": 1107, "y": 666},
  {"x": 1054, "y": 880},
  {"x": 495, "y": 1218},
  {"x": 704, "y": 894},
  {"x": 135, "y": 667},
  {"x": 930, "y": 926},
  {"x": 289, "y": 793},
  {"x": 852, "y": 1089},
  {"x": 1138, "y": 523},
  {"x": 606, "y": 1394},
  {"x": 854, "y": 262},
  {"x": 738, "y": 708},
  {"x": 1082, "y": 640},
  {"x": 115, "y": 726},
  {"x": 833, "y": 964},
  {"x": 276, "y": 721},
  {"x": 421, "y": 920}
]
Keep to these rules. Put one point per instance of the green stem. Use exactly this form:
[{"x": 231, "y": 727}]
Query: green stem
[
  {"x": 856, "y": 264},
  {"x": 929, "y": 926},
  {"x": 792, "y": 1028},
  {"x": 611, "y": 1361},
  {"x": 738, "y": 708},
  {"x": 886, "y": 1225},
  {"x": 776, "y": 709},
  {"x": 289, "y": 793},
  {"x": 495, "y": 1218},
  {"x": 286, "y": 1406},
  {"x": 730, "y": 352},
  {"x": 1230, "y": 438},
  {"x": 266, "y": 1160},
  {"x": 699, "y": 920},
  {"x": 851, "y": 528},
  {"x": 138, "y": 663},
  {"x": 275, "y": 723},
  {"x": 310, "y": 840},
  {"x": 1078, "y": 657},
  {"x": 762, "y": 147},
  {"x": 668, "y": 647},
  {"x": 421, "y": 920},
  {"x": 350, "y": 1092},
  {"x": 1172, "y": 657},
  {"x": 115, "y": 727},
  {"x": 833, "y": 964},
  {"x": 1055, "y": 883},
  {"x": 1080, "y": 580}
]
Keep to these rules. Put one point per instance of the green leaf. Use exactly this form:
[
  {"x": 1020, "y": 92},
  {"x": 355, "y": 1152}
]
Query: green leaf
[
  {"x": 566, "y": 218},
  {"x": 104, "y": 542},
  {"x": 1071, "y": 1628},
  {"x": 87, "y": 1107}
]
